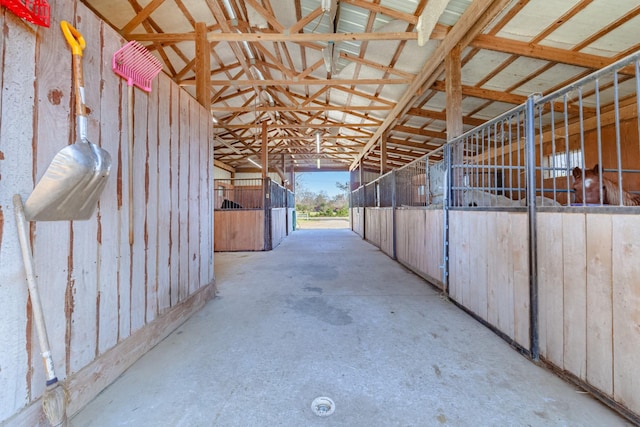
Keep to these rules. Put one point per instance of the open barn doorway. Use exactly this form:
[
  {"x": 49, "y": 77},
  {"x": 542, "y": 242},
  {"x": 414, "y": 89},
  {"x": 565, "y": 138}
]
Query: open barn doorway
[{"x": 322, "y": 200}]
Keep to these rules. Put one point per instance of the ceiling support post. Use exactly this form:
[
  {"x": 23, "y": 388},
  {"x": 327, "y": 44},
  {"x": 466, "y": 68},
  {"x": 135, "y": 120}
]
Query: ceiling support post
[
  {"x": 203, "y": 66},
  {"x": 265, "y": 151},
  {"x": 383, "y": 153},
  {"x": 453, "y": 81}
]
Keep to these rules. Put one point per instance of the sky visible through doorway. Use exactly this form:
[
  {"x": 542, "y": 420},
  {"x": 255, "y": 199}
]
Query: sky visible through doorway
[{"x": 322, "y": 181}]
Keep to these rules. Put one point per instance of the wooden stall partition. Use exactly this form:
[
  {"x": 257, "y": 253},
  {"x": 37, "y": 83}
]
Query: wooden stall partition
[
  {"x": 357, "y": 219},
  {"x": 239, "y": 230},
  {"x": 599, "y": 297},
  {"x": 106, "y": 302},
  {"x": 386, "y": 231},
  {"x": 372, "y": 225},
  {"x": 590, "y": 301},
  {"x": 488, "y": 269},
  {"x": 419, "y": 241},
  {"x": 278, "y": 226},
  {"x": 626, "y": 313},
  {"x": 433, "y": 244},
  {"x": 410, "y": 229}
]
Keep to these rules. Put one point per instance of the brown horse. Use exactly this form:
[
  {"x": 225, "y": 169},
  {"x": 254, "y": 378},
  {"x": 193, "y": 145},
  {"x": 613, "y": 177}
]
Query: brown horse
[{"x": 591, "y": 183}]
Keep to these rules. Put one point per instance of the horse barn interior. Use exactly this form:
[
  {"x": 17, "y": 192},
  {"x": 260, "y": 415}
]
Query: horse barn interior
[{"x": 488, "y": 277}]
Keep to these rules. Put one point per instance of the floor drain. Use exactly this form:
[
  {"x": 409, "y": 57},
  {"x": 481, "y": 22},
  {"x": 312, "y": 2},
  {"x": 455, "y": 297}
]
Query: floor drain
[{"x": 323, "y": 406}]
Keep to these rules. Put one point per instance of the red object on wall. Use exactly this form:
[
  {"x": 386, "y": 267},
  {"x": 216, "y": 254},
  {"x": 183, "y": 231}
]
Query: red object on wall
[{"x": 34, "y": 11}]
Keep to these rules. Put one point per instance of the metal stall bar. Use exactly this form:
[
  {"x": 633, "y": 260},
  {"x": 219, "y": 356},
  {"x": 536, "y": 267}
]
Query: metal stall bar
[
  {"x": 393, "y": 214},
  {"x": 266, "y": 192},
  {"x": 600, "y": 82},
  {"x": 530, "y": 168},
  {"x": 616, "y": 103},
  {"x": 445, "y": 212}
]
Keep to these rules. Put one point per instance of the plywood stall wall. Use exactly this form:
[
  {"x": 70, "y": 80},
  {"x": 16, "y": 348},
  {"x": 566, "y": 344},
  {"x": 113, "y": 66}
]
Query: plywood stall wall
[
  {"x": 489, "y": 268},
  {"x": 239, "y": 230},
  {"x": 372, "y": 226},
  {"x": 589, "y": 303},
  {"x": 105, "y": 302},
  {"x": 357, "y": 221},
  {"x": 278, "y": 226},
  {"x": 379, "y": 224},
  {"x": 419, "y": 240}
]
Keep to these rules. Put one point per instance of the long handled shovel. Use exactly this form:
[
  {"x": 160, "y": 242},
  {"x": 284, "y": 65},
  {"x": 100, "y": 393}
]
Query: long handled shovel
[
  {"x": 54, "y": 401},
  {"x": 72, "y": 184},
  {"x": 136, "y": 64}
]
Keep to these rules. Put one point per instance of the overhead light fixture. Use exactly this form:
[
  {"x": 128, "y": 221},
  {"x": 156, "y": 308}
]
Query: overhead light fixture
[
  {"x": 318, "y": 134},
  {"x": 318, "y": 142},
  {"x": 214, "y": 119},
  {"x": 254, "y": 162},
  {"x": 329, "y": 6}
]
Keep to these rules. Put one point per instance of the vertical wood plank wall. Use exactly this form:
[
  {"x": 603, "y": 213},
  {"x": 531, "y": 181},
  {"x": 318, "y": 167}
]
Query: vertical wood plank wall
[
  {"x": 590, "y": 299},
  {"x": 489, "y": 268},
  {"x": 379, "y": 228},
  {"x": 278, "y": 226},
  {"x": 373, "y": 225},
  {"x": 243, "y": 230},
  {"x": 357, "y": 220},
  {"x": 419, "y": 240},
  {"x": 99, "y": 293},
  {"x": 239, "y": 230}
]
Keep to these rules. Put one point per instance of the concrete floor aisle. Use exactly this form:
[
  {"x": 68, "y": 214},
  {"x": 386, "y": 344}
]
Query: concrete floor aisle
[{"x": 326, "y": 314}]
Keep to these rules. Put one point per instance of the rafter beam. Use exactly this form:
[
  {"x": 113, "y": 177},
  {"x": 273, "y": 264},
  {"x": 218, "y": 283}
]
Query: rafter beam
[
  {"x": 141, "y": 16},
  {"x": 537, "y": 51},
  {"x": 473, "y": 20},
  {"x": 304, "y": 82},
  {"x": 421, "y": 132},
  {"x": 274, "y": 37},
  {"x": 347, "y": 109},
  {"x": 442, "y": 116}
]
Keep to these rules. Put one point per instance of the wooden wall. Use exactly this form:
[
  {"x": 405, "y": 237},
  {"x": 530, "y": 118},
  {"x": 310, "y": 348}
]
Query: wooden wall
[
  {"x": 278, "y": 226},
  {"x": 590, "y": 299},
  {"x": 105, "y": 302},
  {"x": 419, "y": 240},
  {"x": 239, "y": 230},
  {"x": 489, "y": 268},
  {"x": 357, "y": 221},
  {"x": 379, "y": 228}
]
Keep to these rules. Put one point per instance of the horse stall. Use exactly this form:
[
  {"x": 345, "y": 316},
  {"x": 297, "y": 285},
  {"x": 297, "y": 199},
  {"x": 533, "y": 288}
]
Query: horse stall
[
  {"x": 251, "y": 214},
  {"x": 530, "y": 224},
  {"x": 378, "y": 212},
  {"x": 419, "y": 217}
]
